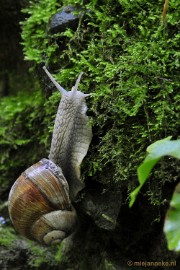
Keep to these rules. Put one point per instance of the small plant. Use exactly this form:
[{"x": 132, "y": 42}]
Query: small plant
[
  {"x": 2, "y": 221},
  {"x": 172, "y": 222},
  {"x": 156, "y": 151}
]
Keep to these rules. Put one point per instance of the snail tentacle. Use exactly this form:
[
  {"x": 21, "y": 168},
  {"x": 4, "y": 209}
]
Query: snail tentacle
[{"x": 58, "y": 86}]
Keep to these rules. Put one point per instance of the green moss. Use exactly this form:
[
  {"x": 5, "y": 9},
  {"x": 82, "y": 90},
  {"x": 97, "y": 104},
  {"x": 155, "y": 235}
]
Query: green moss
[
  {"x": 34, "y": 29},
  {"x": 131, "y": 64},
  {"x": 40, "y": 256},
  {"x": 7, "y": 236}
]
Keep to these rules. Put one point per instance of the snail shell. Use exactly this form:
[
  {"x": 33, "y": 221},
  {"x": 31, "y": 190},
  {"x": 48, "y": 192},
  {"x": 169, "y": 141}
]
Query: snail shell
[{"x": 35, "y": 200}]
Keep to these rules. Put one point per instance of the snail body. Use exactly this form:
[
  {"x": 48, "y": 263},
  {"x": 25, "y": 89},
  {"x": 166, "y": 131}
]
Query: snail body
[{"x": 40, "y": 201}]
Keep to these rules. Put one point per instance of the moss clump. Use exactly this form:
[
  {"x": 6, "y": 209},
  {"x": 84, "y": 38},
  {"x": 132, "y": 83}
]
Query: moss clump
[
  {"x": 7, "y": 236},
  {"x": 40, "y": 256},
  {"x": 131, "y": 64},
  {"x": 35, "y": 256},
  {"x": 34, "y": 29}
]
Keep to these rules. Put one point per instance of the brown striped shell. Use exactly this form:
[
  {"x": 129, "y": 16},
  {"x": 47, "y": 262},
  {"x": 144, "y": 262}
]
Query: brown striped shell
[{"x": 39, "y": 204}]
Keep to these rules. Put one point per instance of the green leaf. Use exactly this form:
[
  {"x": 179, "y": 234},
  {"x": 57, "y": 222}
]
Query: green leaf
[
  {"x": 172, "y": 222},
  {"x": 165, "y": 147},
  {"x": 156, "y": 151}
]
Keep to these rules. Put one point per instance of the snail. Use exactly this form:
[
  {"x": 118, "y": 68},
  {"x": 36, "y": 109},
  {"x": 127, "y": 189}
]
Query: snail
[{"x": 40, "y": 201}]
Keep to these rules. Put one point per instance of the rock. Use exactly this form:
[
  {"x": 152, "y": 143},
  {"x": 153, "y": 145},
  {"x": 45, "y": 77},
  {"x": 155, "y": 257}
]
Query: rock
[
  {"x": 66, "y": 18},
  {"x": 14, "y": 259},
  {"x": 103, "y": 208}
]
